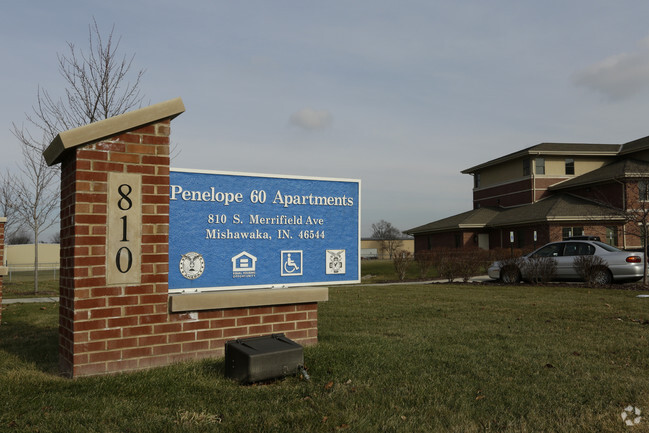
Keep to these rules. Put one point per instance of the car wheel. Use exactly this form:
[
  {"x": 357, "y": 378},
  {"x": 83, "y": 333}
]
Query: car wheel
[
  {"x": 510, "y": 276},
  {"x": 602, "y": 277}
]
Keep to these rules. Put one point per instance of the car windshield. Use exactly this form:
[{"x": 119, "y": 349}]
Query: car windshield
[{"x": 606, "y": 247}]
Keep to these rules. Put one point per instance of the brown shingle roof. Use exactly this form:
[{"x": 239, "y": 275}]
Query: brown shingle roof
[
  {"x": 635, "y": 146},
  {"x": 473, "y": 218},
  {"x": 560, "y": 207},
  {"x": 618, "y": 170}
]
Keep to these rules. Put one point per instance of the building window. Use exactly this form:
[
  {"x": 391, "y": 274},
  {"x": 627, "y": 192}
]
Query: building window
[
  {"x": 458, "y": 240},
  {"x": 570, "y": 166},
  {"x": 540, "y": 166},
  {"x": 643, "y": 190},
  {"x": 526, "y": 167},
  {"x": 611, "y": 235},
  {"x": 569, "y": 232},
  {"x": 476, "y": 180}
]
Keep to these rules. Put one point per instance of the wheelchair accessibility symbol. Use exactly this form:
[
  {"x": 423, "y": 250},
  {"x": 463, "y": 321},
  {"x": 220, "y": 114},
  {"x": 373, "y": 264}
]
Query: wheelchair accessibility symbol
[{"x": 291, "y": 263}]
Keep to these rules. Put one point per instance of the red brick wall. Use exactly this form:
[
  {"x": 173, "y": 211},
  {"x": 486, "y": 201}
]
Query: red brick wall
[
  {"x": 510, "y": 194},
  {"x": 611, "y": 194},
  {"x": 105, "y": 329},
  {"x": 445, "y": 240},
  {"x": 514, "y": 193},
  {"x": 524, "y": 236}
]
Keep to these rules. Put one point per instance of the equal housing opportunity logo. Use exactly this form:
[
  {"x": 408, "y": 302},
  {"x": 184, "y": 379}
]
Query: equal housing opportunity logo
[{"x": 244, "y": 265}]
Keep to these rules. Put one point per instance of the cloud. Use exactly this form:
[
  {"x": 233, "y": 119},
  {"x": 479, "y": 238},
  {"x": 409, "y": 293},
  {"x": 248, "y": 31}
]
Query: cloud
[
  {"x": 308, "y": 118},
  {"x": 620, "y": 76}
]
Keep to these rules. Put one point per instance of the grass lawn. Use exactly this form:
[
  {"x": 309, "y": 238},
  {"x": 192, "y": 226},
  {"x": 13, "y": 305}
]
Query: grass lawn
[
  {"x": 21, "y": 284},
  {"x": 419, "y": 358}
]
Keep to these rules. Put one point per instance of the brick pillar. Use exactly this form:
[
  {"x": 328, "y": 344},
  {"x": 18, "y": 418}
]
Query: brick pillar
[{"x": 102, "y": 326}]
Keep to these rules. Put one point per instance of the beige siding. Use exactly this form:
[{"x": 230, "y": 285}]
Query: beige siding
[
  {"x": 556, "y": 165},
  {"x": 23, "y": 255},
  {"x": 505, "y": 172},
  {"x": 407, "y": 244},
  {"x": 589, "y": 164}
]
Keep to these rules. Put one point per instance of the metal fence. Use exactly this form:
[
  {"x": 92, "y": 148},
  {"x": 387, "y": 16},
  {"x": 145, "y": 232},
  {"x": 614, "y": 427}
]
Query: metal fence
[{"x": 45, "y": 270}]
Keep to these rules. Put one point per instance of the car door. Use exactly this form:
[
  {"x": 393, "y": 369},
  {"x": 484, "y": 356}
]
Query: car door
[
  {"x": 554, "y": 250},
  {"x": 565, "y": 266}
]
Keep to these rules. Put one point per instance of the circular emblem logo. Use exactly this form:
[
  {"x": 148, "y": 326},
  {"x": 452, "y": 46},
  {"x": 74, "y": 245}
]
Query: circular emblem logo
[{"x": 192, "y": 265}]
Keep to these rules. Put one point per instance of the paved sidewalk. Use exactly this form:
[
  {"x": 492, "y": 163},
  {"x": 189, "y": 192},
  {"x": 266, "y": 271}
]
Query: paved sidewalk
[
  {"x": 28, "y": 300},
  {"x": 476, "y": 279}
]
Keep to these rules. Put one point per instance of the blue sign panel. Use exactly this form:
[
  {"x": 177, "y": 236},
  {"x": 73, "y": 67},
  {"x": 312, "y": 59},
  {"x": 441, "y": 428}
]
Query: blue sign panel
[{"x": 240, "y": 231}]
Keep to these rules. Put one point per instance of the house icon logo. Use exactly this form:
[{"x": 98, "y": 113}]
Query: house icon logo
[{"x": 244, "y": 265}]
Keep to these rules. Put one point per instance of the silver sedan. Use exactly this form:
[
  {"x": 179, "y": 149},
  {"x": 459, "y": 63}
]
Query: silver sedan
[{"x": 619, "y": 265}]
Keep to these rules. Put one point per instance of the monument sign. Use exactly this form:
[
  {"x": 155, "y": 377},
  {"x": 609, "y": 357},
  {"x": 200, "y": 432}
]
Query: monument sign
[
  {"x": 153, "y": 260},
  {"x": 245, "y": 231}
]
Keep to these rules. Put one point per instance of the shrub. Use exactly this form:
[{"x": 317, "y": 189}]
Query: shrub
[
  {"x": 447, "y": 264},
  {"x": 462, "y": 263},
  {"x": 540, "y": 269},
  {"x": 402, "y": 260},
  {"x": 425, "y": 260},
  {"x": 589, "y": 268},
  {"x": 499, "y": 254},
  {"x": 470, "y": 262}
]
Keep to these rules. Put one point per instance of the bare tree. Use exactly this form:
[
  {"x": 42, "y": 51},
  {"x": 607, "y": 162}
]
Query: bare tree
[
  {"x": 37, "y": 198},
  {"x": 401, "y": 261},
  {"x": 99, "y": 84},
  {"x": 8, "y": 198},
  {"x": 389, "y": 236},
  {"x": 630, "y": 207},
  {"x": 636, "y": 214}
]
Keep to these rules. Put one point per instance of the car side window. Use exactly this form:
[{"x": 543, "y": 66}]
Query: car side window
[
  {"x": 585, "y": 250},
  {"x": 578, "y": 249},
  {"x": 570, "y": 249},
  {"x": 552, "y": 250}
]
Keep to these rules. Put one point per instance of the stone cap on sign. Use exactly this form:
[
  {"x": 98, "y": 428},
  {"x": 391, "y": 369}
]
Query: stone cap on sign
[
  {"x": 3, "y": 219},
  {"x": 246, "y": 298},
  {"x": 110, "y": 127}
]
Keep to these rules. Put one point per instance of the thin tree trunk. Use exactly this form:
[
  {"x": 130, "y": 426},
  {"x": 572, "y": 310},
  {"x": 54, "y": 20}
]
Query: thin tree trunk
[
  {"x": 36, "y": 262},
  {"x": 644, "y": 259}
]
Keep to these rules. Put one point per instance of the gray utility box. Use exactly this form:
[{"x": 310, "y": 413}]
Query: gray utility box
[{"x": 256, "y": 359}]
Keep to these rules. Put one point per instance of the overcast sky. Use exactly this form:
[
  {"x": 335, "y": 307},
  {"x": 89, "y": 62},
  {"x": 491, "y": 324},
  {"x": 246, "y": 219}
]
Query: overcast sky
[{"x": 400, "y": 94}]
